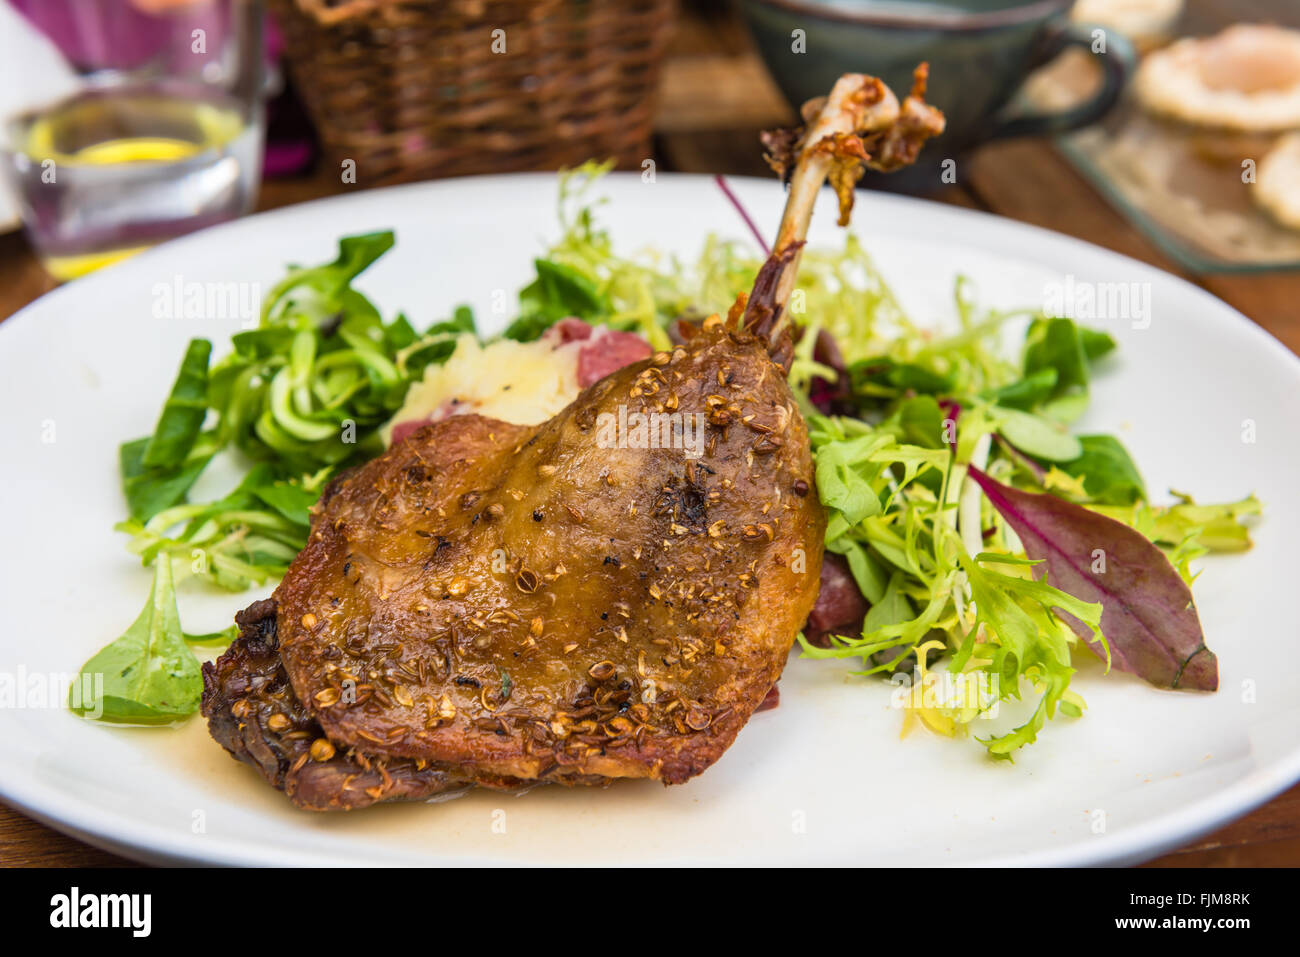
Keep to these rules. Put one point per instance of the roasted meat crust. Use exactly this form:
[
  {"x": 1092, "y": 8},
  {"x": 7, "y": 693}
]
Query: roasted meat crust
[
  {"x": 524, "y": 602},
  {"x": 253, "y": 713},
  {"x": 509, "y": 604}
]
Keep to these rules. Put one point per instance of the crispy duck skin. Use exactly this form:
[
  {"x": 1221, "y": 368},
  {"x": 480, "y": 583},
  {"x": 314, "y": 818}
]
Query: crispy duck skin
[
  {"x": 524, "y": 601},
  {"x": 505, "y": 605},
  {"x": 255, "y": 715},
  {"x": 506, "y": 602}
]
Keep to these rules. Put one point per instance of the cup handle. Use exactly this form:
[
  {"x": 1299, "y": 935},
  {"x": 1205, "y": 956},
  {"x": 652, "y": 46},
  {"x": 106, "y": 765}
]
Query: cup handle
[{"x": 1117, "y": 63}]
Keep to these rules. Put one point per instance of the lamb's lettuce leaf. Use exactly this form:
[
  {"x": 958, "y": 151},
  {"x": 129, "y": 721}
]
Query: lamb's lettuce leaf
[{"x": 147, "y": 676}]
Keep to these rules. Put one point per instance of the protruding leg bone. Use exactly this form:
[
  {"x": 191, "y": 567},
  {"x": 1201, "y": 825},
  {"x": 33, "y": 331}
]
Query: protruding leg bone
[{"x": 860, "y": 122}]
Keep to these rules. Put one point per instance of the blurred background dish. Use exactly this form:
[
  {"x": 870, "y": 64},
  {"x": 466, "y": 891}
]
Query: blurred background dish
[
  {"x": 1184, "y": 156},
  {"x": 1246, "y": 77}
]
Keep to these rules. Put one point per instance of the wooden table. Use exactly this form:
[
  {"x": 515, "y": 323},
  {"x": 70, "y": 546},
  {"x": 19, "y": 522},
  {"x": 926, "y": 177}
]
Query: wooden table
[{"x": 714, "y": 99}]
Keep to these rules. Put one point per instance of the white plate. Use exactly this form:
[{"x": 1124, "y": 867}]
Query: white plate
[{"x": 824, "y": 778}]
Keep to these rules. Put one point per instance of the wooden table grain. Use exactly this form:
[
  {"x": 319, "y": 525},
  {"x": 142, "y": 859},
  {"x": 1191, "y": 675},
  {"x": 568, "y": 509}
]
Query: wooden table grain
[{"x": 714, "y": 98}]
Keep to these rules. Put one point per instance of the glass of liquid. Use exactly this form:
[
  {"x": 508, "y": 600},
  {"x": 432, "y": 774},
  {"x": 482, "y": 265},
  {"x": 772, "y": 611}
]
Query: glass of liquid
[{"x": 164, "y": 136}]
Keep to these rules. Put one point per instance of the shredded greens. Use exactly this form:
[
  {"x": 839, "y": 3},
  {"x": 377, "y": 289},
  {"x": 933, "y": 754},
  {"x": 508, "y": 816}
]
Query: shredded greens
[{"x": 300, "y": 397}]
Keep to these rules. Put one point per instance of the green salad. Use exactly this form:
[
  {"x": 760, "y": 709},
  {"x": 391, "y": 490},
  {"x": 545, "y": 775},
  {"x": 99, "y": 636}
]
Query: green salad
[{"x": 959, "y": 496}]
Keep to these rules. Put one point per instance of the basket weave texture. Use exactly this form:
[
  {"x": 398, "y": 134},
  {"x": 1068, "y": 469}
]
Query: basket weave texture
[{"x": 411, "y": 89}]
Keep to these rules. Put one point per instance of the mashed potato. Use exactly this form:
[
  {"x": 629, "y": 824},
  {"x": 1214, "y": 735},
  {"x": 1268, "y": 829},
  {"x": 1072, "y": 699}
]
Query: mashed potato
[{"x": 520, "y": 382}]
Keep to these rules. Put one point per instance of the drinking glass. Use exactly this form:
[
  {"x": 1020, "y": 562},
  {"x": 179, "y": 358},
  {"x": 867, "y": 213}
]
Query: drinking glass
[{"x": 164, "y": 135}]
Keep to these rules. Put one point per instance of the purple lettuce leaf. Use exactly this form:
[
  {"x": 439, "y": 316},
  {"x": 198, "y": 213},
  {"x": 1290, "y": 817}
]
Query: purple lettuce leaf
[{"x": 1148, "y": 616}]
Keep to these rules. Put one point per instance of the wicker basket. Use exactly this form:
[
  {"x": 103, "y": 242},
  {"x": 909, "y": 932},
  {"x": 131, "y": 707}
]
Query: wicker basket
[{"x": 410, "y": 89}]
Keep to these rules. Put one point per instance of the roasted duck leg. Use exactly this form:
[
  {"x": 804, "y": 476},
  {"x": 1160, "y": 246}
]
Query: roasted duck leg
[{"x": 502, "y": 605}]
